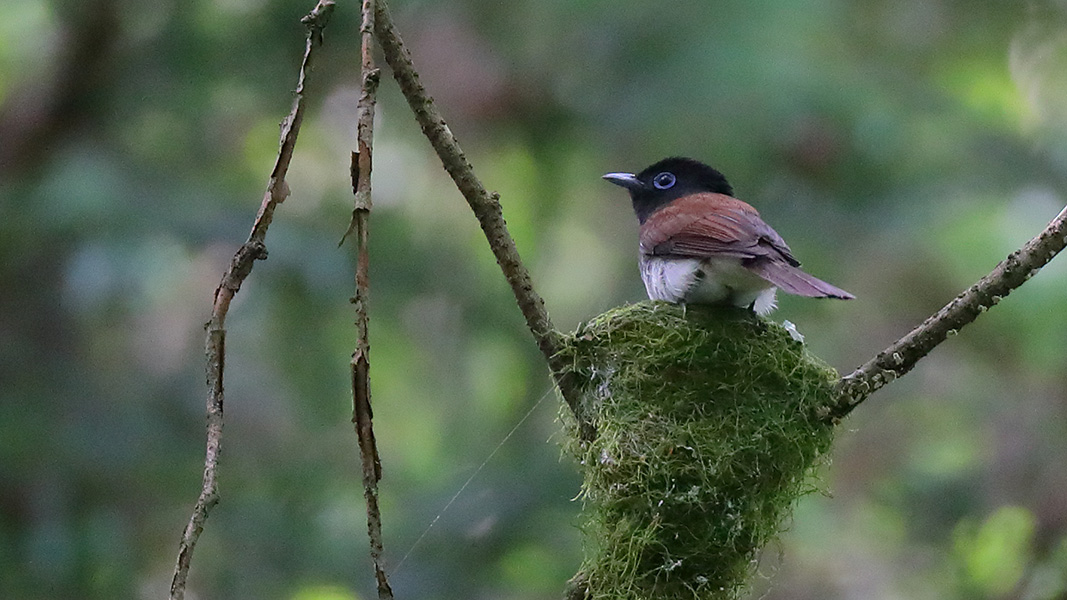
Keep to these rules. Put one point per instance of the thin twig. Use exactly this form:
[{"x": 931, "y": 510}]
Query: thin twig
[
  {"x": 485, "y": 205},
  {"x": 901, "y": 356},
  {"x": 239, "y": 269},
  {"x": 362, "y": 416}
]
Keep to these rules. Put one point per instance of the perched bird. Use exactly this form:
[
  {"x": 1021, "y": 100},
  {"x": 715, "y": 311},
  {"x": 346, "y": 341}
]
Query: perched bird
[{"x": 700, "y": 245}]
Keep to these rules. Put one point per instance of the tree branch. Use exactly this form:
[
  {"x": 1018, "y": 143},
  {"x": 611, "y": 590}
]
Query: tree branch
[
  {"x": 362, "y": 416},
  {"x": 901, "y": 356},
  {"x": 239, "y": 269},
  {"x": 485, "y": 205}
]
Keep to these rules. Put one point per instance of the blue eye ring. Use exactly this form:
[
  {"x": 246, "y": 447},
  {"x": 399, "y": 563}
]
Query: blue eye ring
[{"x": 664, "y": 181}]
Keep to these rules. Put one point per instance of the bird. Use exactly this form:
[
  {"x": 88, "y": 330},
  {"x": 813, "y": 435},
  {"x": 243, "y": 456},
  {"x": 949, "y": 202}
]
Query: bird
[{"x": 700, "y": 245}]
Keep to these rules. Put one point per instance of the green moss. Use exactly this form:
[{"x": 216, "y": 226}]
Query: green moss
[{"x": 708, "y": 426}]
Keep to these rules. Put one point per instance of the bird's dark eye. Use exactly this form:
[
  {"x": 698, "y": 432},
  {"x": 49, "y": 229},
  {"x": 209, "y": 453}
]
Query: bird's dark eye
[{"x": 664, "y": 180}]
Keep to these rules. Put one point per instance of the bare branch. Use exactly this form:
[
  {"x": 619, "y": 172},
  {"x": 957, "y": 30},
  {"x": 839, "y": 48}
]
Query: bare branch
[
  {"x": 901, "y": 356},
  {"x": 362, "y": 416},
  {"x": 239, "y": 269},
  {"x": 485, "y": 205}
]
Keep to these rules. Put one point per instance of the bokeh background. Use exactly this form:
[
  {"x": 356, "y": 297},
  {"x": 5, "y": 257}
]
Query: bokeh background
[{"x": 902, "y": 147}]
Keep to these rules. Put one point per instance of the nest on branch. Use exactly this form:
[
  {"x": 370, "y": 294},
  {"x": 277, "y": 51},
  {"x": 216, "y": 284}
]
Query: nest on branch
[{"x": 709, "y": 424}]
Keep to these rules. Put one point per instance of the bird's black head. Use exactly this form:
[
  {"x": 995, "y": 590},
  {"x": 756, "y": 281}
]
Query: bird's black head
[{"x": 667, "y": 180}]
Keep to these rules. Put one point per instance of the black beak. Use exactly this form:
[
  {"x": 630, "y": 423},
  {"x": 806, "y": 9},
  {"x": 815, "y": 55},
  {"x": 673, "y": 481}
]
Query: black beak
[{"x": 626, "y": 180}]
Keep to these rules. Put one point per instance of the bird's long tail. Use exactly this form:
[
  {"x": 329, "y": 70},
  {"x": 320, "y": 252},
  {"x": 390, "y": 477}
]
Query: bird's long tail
[{"x": 792, "y": 280}]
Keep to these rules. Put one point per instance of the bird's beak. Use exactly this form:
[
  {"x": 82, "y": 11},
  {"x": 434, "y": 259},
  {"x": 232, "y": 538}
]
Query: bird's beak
[{"x": 626, "y": 180}]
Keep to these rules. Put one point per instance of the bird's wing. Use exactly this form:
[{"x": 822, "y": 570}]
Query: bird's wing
[{"x": 706, "y": 224}]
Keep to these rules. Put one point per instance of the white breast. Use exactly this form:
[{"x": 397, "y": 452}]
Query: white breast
[
  {"x": 706, "y": 281},
  {"x": 668, "y": 279}
]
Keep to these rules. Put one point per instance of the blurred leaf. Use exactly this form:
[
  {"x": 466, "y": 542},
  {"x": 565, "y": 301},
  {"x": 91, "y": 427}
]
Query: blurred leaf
[
  {"x": 324, "y": 592},
  {"x": 531, "y": 568},
  {"x": 985, "y": 87},
  {"x": 994, "y": 554}
]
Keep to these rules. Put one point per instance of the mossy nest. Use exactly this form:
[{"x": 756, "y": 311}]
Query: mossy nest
[{"x": 709, "y": 422}]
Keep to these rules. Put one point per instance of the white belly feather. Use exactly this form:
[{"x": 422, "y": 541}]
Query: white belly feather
[{"x": 706, "y": 281}]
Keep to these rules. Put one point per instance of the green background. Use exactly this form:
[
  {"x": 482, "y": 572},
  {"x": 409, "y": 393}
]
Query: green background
[{"x": 901, "y": 147}]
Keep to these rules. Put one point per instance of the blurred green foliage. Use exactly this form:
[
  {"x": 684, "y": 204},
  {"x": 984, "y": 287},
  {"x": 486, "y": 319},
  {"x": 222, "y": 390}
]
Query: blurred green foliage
[
  {"x": 995, "y": 554},
  {"x": 901, "y": 147}
]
